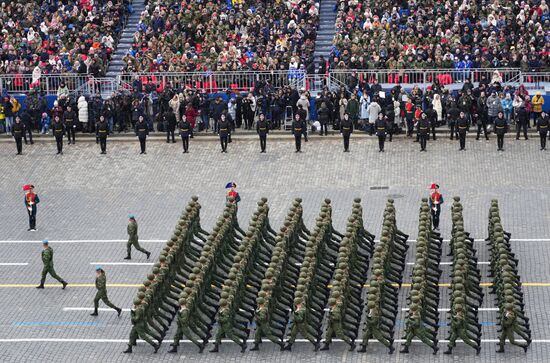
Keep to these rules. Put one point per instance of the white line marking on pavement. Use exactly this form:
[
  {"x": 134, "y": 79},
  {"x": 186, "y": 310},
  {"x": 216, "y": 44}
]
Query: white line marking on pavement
[
  {"x": 450, "y": 263},
  {"x": 61, "y": 340},
  {"x": 446, "y": 309},
  {"x": 89, "y": 241},
  {"x": 122, "y": 263},
  {"x": 13, "y": 264},
  {"x": 92, "y": 309}
]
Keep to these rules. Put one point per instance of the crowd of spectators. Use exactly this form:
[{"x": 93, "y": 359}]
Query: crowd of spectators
[
  {"x": 54, "y": 36},
  {"x": 441, "y": 34},
  {"x": 186, "y": 36}
]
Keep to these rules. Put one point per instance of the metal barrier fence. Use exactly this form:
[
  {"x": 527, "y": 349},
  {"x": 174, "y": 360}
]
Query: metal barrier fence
[{"x": 239, "y": 81}]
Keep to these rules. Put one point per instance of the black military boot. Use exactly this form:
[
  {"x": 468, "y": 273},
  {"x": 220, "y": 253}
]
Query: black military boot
[
  {"x": 128, "y": 350},
  {"x": 174, "y": 348},
  {"x": 94, "y": 313},
  {"x": 255, "y": 347},
  {"x": 215, "y": 349},
  {"x": 325, "y": 346}
]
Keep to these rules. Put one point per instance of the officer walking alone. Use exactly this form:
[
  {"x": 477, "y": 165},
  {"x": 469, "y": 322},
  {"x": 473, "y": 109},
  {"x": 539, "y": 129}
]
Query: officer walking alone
[
  {"x": 102, "y": 130},
  {"x": 462, "y": 125},
  {"x": 297, "y": 131},
  {"x": 543, "y": 123},
  {"x": 500, "y": 129},
  {"x": 17, "y": 131},
  {"x": 223, "y": 128},
  {"x": 380, "y": 129},
  {"x": 101, "y": 286},
  {"x": 58, "y": 131},
  {"x": 185, "y": 131},
  {"x": 262, "y": 128},
  {"x": 346, "y": 128},
  {"x": 142, "y": 130},
  {"x": 47, "y": 260},
  {"x": 133, "y": 238},
  {"x": 31, "y": 200}
]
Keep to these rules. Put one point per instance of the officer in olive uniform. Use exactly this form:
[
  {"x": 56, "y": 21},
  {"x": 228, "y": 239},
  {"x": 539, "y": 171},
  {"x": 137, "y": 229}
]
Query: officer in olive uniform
[
  {"x": 17, "y": 131},
  {"x": 423, "y": 129},
  {"x": 543, "y": 124},
  {"x": 297, "y": 131},
  {"x": 58, "y": 130},
  {"x": 133, "y": 238},
  {"x": 223, "y": 128},
  {"x": 69, "y": 119},
  {"x": 139, "y": 324},
  {"x": 380, "y": 129},
  {"x": 346, "y": 128},
  {"x": 102, "y": 130},
  {"x": 101, "y": 286},
  {"x": 500, "y": 129},
  {"x": 185, "y": 132},
  {"x": 462, "y": 125},
  {"x": 142, "y": 130},
  {"x": 262, "y": 128},
  {"x": 47, "y": 260}
]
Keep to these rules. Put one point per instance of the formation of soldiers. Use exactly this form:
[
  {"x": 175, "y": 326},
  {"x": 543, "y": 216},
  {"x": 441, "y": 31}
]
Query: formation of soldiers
[
  {"x": 423, "y": 317},
  {"x": 506, "y": 284},
  {"x": 310, "y": 284},
  {"x": 466, "y": 293}
]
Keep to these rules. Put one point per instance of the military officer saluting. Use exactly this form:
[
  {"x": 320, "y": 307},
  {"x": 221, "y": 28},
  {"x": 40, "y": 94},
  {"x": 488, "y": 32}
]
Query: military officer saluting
[
  {"x": 102, "y": 130},
  {"x": 142, "y": 130},
  {"x": 462, "y": 126},
  {"x": 380, "y": 128},
  {"x": 346, "y": 128},
  {"x": 185, "y": 132},
  {"x": 17, "y": 131},
  {"x": 101, "y": 286},
  {"x": 47, "y": 260},
  {"x": 262, "y": 129},
  {"x": 223, "y": 128},
  {"x": 543, "y": 124},
  {"x": 297, "y": 131},
  {"x": 423, "y": 129},
  {"x": 58, "y": 130}
]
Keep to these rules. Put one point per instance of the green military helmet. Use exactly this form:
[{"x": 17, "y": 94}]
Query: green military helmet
[
  {"x": 298, "y": 301},
  {"x": 162, "y": 258},
  {"x": 414, "y": 307},
  {"x": 371, "y": 304},
  {"x": 336, "y": 294},
  {"x": 459, "y": 300},
  {"x": 141, "y": 295},
  {"x": 137, "y": 301},
  {"x": 181, "y": 301},
  {"x": 157, "y": 264},
  {"x": 374, "y": 283},
  {"x": 224, "y": 295},
  {"x": 331, "y": 301},
  {"x": 170, "y": 243},
  {"x": 151, "y": 277},
  {"x": 509, "y": 298},
  {"x": 458, "y": 307},
  {"x": 301, "y": 288},
  {"x": 260, "y": 301},
  {"x": 262, "y": 293},
  {"x": 509, "y": 306},
  {"x": 142, "y": 289},
  {"x": 147, "y": 283},
  {"x": 223, "y": 303},
  {"x": 416, "y": 298}
]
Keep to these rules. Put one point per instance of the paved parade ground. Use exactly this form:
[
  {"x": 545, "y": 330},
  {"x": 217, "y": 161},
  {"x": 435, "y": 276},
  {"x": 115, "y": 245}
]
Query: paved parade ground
[{"x": 86, "y": 197}]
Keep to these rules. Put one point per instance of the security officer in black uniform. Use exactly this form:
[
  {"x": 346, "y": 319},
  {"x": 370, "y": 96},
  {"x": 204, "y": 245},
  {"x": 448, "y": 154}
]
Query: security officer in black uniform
[
  {"x": 170, "y": 124},
  {"x": 500, "y": 129},
  {"x": 26, "y": 119},
  {"x": 185, "y": 132},
  {"x": 462, "y": 125},
  {"x": 142, "y": 130},
  {"x": 58, "y": 130},
  {"x": 17, "y": 131},
  {"x": 297, "y": 131},
  {"x": 223, "y": 128},
  {"x": 69, "y": 119},
  {"x": 262, "y": 128},
  {"x": 423, "y": 129},
  {"x": 346, "y": 128},
  {"x": 101, "y": 131},
  {"x": 380, "y": 129},
  {"x": 522, "y": 122},
  {"x": 543, "y": 124},
  {"x": 432, "y": 117}
]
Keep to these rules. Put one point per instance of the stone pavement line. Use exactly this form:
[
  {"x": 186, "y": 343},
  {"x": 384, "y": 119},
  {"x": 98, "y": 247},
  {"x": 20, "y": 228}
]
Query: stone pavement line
[
  {"x": 84, "y": 340},
  {"x": 164, "y": 241}
]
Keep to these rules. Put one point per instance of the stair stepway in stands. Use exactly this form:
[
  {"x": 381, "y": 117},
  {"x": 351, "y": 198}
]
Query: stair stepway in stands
[
  {"x": 325, "y": 34},
  {"x": 126, "y": 39}
]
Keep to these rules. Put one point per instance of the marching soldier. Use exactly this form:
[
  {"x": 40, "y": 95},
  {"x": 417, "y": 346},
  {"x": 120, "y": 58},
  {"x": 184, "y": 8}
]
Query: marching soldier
[
  {"x": 262, "y": 128},
  {"x": 47, "y": 260},
  {"x": 31, "y": 200},
  {"x": 346, "y": 128},
  {"x": 223, "y": 128},
  {"x": 297, "y": 131},
  {"x": 185, "y": 132},
  {"x": 101, "y": 286},
  {"x": 423, "y": 129},
  {"x": 133, "y": 238},
  {"x": 543, "y": 123},
  {"x": 58, "y": 130},
  {"x": 380, "y": 128},
  {"x": 462, "y": 126},
  {"x": 142, "y": 130},
  {"x": 139, "y": 322},
  {"x": 69, "y": 119},
  {"x": 17, "y": 131},
  {"x": 102, "y": 130},
  {"x": 500, "y": 129}
]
